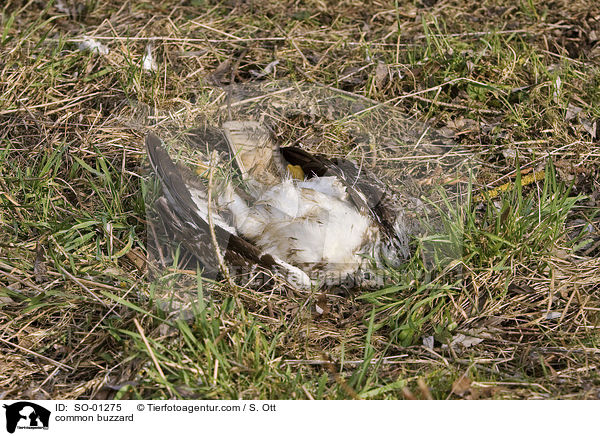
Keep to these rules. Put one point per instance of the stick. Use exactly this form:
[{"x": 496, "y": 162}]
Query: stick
[
  {"x": 213, "y": 236},
  {"x": 152, "y": 356}
]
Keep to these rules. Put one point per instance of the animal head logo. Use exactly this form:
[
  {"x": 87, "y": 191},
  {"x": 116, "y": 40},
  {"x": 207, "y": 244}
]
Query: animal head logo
[{"x": 24, "y": 414}]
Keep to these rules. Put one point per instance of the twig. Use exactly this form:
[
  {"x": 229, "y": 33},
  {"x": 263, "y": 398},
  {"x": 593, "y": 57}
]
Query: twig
[
  {"x": 15, "y": 278},
  {"x": 216, "y": 371},
  {"x": 338, "y": 378},
  {"x": 236, "y": 66},
  {"x": 152, "y": 356},
  {"x": 592, "y": 248},
  {"x": 341, "y": 91},
  {"x": 454, "y": 106},
  {"x": 27, "y": 350},
  {"x": 104, "y": 317},
  {"x": 84, "y": 287},
  {"x": 212, "y": 29},
  {"x": 259, "y": 97},
  {"x": 473, "y": 34},
  {"x": 310, "y": 397},
  {"x": 168, "y": 39},
  {"x": 211, "y": 227},
  {"x": 385, "y": 360},
  {"x": 79, "y": 99}
]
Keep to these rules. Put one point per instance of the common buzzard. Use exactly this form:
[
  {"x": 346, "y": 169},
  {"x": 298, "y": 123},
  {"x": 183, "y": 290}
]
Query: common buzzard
[{"x": 309, "y": 219}]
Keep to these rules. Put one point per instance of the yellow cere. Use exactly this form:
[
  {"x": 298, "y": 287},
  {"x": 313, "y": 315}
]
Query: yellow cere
[{"x": 296, "y": 171}]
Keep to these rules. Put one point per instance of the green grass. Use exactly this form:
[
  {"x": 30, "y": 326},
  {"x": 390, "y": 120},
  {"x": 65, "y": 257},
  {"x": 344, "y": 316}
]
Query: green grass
[{"x": 517, "y": 271}]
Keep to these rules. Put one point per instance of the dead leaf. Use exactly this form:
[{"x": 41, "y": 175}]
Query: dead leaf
[
  {"x": 553, "y": 315},
  {"x": 40, "y": 271},
  {"x": 353, "y": 76},
  {"x": 572, "y": 111},
  {"x": 462, "y": 125},
  {"x": 219, "y": 73},
  {"x": 482, "y": 392},
  {"x": 560, "y": 254},
  {"x": 382, "y": 75},
  {"x": 461, "y": 386},
  {"x": 321, "y": 306},
  {"x": 565, "y": 169},
  {"x": 136, "y": 256},
  {"x": 589, "y": 127},
  {"x": 465, "y": 341},
  {"x": 470, "y": 338},
  {"x": 6, "y": 301},
  {"x": 165, "y": 329}
]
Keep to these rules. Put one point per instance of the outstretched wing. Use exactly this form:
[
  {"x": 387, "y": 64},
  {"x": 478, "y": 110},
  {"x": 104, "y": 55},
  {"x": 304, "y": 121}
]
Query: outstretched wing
[{"x": 183, "y": 213}]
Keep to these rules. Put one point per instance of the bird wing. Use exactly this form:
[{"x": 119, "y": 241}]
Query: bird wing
[
  {"x": 255, "y": 152},
  {"x": 184, "y": 216},
  {"x": 366, "y": 191}
]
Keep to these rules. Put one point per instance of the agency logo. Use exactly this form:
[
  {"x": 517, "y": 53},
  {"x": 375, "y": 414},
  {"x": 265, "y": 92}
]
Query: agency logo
[{"x": 26, "y": 415}]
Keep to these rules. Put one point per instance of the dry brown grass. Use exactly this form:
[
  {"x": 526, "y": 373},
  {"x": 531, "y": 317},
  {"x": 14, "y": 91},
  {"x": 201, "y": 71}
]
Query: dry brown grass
[{"x": 72, "y": 166}]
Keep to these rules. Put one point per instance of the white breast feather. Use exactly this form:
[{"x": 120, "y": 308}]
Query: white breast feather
[
  {"x": 329, "y": 185},
  {"x": 308, "y": 222}
]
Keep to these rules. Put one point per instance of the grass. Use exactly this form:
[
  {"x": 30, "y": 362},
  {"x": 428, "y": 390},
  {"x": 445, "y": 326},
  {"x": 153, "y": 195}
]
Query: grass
[{"x": 500, "y": 300}]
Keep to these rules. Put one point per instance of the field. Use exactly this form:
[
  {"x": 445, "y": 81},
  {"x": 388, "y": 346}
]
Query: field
[{"x": 514, "y": 84}]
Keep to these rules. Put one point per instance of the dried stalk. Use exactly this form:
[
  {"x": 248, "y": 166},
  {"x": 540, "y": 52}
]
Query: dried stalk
[{"x": 222, "y": 267}]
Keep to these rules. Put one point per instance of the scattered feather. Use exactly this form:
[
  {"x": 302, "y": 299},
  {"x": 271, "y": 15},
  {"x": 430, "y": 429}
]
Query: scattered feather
[
  {"x": 553, "y": 315},
  {"x": 428, "y": 342},
  {"x": 509, "y": 153},
  {"x": 61, "y": 7},
  {"x": 266, "y": 71},
  {"x": 465, "y": 340},
  {"x": 148, "y": 62},
  {"x": 93, "y": 46},
  {"x": 557, "y": 89}
]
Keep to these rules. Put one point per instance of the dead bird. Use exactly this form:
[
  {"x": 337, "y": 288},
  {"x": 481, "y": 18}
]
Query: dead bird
[{"x": 309, "y": 219}]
